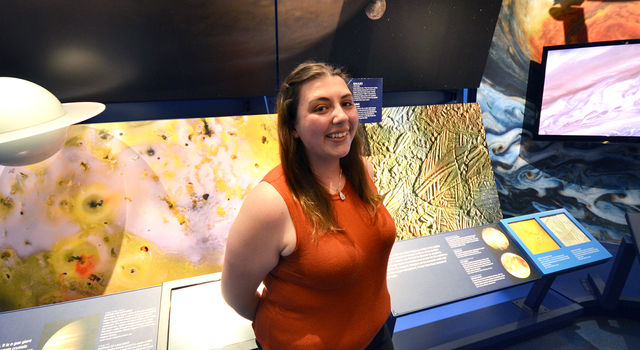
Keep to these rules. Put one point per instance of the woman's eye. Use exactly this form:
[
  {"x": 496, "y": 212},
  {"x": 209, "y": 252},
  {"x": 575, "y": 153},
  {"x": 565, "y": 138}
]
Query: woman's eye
[
  {"x": 348, "y": 103},
  {"x": 319, "y": 109}
]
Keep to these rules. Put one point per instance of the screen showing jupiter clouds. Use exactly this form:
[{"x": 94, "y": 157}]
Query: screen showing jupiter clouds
[{"x": 592, "y": 91}]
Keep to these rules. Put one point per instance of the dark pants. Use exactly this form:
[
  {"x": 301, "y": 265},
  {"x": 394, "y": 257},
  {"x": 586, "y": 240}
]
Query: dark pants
[{"x": 382, "y": 340}]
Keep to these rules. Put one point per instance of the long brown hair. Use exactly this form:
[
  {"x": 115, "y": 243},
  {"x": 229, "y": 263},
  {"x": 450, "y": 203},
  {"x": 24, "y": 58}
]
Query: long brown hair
[{"x": 304, "y": 185}]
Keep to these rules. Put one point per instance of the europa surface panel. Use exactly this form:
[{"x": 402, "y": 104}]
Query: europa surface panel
[{"x": 433, "y": 168}]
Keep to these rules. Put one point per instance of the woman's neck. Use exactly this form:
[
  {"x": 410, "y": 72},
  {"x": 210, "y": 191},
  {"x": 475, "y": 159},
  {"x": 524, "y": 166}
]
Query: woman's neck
[{"x": 330, "y": 176}]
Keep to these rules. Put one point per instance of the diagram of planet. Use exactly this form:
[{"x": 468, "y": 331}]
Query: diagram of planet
[
  {"x": 515, "y": 265},
  {"x": 494, "y": 238},
  {"x": 79, "y": 334}
]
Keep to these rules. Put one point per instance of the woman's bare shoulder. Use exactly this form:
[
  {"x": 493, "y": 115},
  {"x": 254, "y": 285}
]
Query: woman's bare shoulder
[{"x": 266, "y": 203}]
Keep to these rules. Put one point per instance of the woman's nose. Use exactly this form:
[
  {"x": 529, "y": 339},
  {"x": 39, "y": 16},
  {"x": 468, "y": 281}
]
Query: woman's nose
[{"x": 339, "y": 115}]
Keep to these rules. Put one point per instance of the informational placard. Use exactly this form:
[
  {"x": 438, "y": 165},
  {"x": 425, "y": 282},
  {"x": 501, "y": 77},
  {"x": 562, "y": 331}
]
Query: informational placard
[
  {"x": 438, "y": 269},
  {"x": 554, "y": 241},
  {"x": 367, "y": 95},
  {"x": 119, "y": 321}
]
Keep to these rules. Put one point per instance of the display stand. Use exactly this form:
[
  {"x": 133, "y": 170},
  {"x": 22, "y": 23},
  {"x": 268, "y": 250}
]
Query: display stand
[
  {"x": 437, "y": 283},
  {"x": 620, "y": 294},
  {"x": 484, "y": 321},
  {"x": 608, "y": 294},
  {"x": 537, "y": 293},
  {"x": 504, "y": 311},
  {"x": 461, "y": 263},
  {"x": 555, "y": 242},
  {"x": 127, "y": 320},
  {"x": 182, "y": 314}
]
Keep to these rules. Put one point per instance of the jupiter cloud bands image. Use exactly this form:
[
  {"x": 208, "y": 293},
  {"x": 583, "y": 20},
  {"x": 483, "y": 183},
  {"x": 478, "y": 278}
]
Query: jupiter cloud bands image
[
  {"x": 597, "y": 183},
  {"x": 592, "y": 91}
]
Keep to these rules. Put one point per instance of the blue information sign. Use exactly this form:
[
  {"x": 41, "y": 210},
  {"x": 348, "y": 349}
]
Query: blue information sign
[
  {"x": 434, "y": 270},
  {"x": 554, "y": 241},
  {"x": 367, "y": 95}
]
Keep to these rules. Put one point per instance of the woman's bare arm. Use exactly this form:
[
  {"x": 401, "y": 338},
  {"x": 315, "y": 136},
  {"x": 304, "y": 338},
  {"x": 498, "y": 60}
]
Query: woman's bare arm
[{"x": 259, "y": 235}]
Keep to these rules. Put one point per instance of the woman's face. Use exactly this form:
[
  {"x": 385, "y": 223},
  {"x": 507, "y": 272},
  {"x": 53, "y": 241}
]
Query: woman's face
[{"x": 327, "y": 119}]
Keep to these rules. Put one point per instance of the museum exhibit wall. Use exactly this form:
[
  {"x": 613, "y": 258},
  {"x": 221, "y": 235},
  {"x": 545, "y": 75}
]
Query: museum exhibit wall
[
  {"x": 123, "y": 202},
  {"x": 596, "y": 183}
]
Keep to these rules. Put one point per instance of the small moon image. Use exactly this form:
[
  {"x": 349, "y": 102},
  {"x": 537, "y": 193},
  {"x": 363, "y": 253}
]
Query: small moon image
[
  {"x": 515, "y": 265},
  {"x": 375, "y": 9},
  {"x": 494, "y": 238}
]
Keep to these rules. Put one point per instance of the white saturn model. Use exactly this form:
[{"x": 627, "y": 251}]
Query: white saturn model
[{"x": 33, "y": 122}]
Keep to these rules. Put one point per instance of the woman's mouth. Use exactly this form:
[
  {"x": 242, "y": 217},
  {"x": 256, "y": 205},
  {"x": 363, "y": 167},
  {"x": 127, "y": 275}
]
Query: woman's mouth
[{"x": 338, "y": 135}]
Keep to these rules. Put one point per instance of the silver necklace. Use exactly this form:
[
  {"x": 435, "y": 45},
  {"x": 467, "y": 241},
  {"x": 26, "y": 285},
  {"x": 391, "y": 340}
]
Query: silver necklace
[{"x": 342, "y": 196}]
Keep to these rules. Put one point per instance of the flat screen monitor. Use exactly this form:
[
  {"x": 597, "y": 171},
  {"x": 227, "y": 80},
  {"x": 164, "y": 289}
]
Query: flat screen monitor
[{"x": 590, "y": 92}]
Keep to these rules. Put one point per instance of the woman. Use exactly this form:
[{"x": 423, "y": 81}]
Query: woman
[{"x": 314, "y": 230}]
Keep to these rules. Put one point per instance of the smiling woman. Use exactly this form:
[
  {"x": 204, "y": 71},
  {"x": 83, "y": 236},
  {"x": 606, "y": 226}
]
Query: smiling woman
[{"x": 315, "y": 230}]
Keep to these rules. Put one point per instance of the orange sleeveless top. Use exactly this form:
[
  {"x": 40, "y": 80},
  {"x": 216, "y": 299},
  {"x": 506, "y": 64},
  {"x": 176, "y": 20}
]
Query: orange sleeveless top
[{"x": 332, "y": 293}]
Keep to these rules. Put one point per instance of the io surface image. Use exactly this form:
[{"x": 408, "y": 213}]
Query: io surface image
[
  {"x": 533, "y": 236},
  {"x": 127, "y": 205},
  {"x": 596, "y": 183}
]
